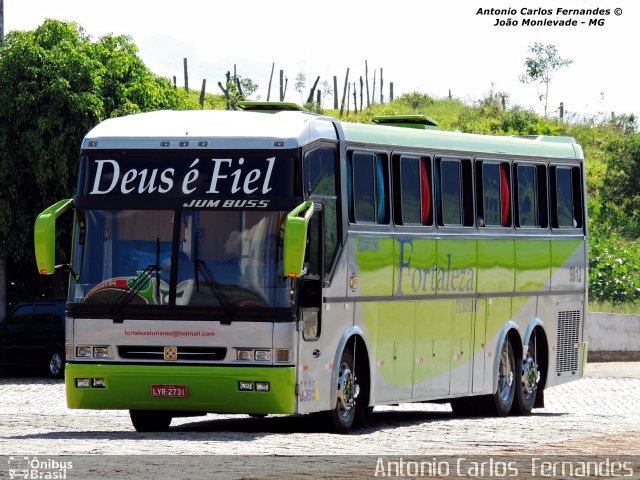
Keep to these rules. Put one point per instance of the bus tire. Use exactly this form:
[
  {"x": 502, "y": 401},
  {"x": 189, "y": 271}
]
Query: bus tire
[
  {"x": 344, "y": 413},
  {"x": 56, "y": 364},
  {"x": 527, "y": 380},
  {"x": 500, "y": 403},
  {"x": 150, "y": 420}
]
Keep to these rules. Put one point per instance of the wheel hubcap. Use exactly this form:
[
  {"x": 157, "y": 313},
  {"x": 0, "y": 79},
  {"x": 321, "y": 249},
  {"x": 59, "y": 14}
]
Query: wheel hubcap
[
  {"x": 55, "y": 364},
  {"x": 348, "y": 390},
  {"x": 530, "y": 376},
  {"x": 506, "y": 375}
]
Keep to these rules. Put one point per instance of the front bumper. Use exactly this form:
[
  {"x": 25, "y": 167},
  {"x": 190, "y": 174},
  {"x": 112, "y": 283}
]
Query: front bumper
[{"x": 210, "y": 389}]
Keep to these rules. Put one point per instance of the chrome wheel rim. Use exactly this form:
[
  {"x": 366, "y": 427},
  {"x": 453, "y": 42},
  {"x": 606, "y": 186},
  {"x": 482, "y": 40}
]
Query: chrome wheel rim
[
  {"x": 55, "y": 364},
  {"x": 505, "y": 374},
  {"x": 348, "y": 390}
]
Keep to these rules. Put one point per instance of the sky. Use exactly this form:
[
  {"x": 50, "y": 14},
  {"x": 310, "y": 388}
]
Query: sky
[{"x": 430, "y": 47}]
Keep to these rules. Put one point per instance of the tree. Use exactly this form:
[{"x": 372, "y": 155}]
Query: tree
[
  {"x": 326, "y": 90},
  {"x": 55, "y": 85},
  {"x": 620, "y": 191},
  {"x": 541, "y": 68},
  {"x": 301, "y": 82}
]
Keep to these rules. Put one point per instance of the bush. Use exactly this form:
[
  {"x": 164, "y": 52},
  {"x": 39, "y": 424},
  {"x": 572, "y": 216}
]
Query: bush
[{"x": 614, "y": 267}]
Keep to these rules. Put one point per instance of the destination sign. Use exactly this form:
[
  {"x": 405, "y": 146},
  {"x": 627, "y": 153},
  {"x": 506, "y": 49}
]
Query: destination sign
[{"x": 202, "y": 179}]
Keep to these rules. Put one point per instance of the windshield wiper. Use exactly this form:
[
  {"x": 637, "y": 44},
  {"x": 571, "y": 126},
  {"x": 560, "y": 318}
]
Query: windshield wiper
[
  {"x": 133, "y": 289},
  {"x": 200, "y": 266}
]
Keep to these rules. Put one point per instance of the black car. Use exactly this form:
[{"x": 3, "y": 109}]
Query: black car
[{"x": 32, "y": 334}]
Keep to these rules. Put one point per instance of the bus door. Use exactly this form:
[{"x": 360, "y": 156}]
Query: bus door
[{"x": 311, "y": 355}]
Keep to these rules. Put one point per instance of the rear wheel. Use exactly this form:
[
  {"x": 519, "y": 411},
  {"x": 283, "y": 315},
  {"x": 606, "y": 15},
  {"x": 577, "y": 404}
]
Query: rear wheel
[
  {"x": 499, "y": 404},
  {"x": 528, "y": 378},
  {"x": 150, "y": 420},
  {"x": 343, "y": 415}
]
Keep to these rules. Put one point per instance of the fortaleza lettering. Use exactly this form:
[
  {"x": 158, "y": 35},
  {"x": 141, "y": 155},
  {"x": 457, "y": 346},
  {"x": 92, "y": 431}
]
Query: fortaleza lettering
[
  {"x": 223, "y": 176},
  {"x": 418, "y": 279}
]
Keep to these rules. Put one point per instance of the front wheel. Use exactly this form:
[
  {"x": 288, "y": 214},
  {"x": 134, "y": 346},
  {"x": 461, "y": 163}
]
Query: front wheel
[
  {"x": 500, "y": 402},
  {"x": 343, "y": 415},
  {"x": 150, "y": 420},
  {"x": 56, "y": 364}
]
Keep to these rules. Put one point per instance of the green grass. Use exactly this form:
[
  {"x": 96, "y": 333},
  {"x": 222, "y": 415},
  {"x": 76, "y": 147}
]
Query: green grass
[{"x": 609, "y": 307}]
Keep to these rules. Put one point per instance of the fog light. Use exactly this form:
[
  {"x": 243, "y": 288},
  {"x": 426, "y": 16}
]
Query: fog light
[
  {"x": 242, "y": 354},
  {"x": 83, "y": 351},
  {"x": 83, "y": 382},
  {"x": 263, "y": 355},
  {"x": 282, "y": 355},
  {"x": 262, "y": 386},
  {"x": 97, "y": 383},
  {"x": 245, "y": 386},
  {"x": 101, "y": 352}
]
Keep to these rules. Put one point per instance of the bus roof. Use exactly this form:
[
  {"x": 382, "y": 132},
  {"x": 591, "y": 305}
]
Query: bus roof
[
  {"x": 292, "y": 129},
  {"x": 216, "y": 128},
  {"x": 474, "y": 144}
]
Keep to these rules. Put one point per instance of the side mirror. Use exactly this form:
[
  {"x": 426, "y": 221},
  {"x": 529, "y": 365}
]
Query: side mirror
[
  {"x": 44, "y": 236},
  {"x": 295, "y": 238}
]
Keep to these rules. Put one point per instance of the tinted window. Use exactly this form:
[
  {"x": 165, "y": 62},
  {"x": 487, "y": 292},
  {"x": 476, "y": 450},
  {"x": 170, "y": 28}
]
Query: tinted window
[
  {"x": 364, "y": 187},
  {"x": 491, "y": 194},
  {"x": 21, "y": 315},
  {"x": 410, "y": 190},
  {"x": 43, "y": 314},
  {"x": 564, "y": 198},
  {"x": 320, "y": 179},
  {"x": 451, "y": 192},
  {"x": 368, "y": 178},
  {"x": 527, "y": 196}
]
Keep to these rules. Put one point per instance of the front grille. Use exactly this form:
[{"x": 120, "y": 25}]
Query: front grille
[
  {"x": 568, "y": 341},
  {"x": 134, "y": 352}
]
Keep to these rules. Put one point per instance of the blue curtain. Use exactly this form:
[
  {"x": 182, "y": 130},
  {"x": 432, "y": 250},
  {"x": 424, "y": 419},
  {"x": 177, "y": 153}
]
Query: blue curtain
[{"x": 382, "y": 200}]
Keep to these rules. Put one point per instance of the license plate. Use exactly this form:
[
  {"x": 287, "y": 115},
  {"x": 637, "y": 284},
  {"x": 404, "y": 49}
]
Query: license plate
[{"x": 169, "y": 390}]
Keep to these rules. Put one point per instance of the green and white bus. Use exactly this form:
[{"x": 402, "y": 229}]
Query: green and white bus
[{"x": 287, "y": 263}]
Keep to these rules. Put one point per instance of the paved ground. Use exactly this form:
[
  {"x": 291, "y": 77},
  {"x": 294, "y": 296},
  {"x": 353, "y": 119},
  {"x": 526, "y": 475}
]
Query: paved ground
[{"x": 598, "y": 415}]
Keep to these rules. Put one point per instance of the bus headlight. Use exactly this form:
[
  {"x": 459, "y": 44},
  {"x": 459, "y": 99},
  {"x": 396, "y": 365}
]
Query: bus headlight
[
  {"x": 263, "y": 355},
  {"x": 84, "y": 351},
  {"x": 101, "y": 352},
  {"x": 244, "y": 354},
  {"x": 92, "y": 351}
]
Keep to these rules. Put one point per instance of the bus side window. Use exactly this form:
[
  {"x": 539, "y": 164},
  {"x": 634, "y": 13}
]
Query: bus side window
[
  {"x": 566, "y": 198},
  {"x": 407, "y": 191},
  {"x": 455, "y": 202},
  {"x": 494, "y": 196},
  {"x": 370, "y": 199},
  {"x": 319, "y": 169},
  {"x": 412, "y": 190},
  {"x": 527, "y": 196}
]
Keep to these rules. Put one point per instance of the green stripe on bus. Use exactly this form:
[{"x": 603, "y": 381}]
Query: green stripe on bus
[{"x": 210, "y": 389}]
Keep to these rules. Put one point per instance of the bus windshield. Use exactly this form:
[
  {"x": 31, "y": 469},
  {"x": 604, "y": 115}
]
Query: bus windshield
[{"x": 180, "y": 258}]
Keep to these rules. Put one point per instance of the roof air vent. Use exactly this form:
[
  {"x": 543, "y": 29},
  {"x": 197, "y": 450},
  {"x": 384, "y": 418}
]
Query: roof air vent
[{"x": 406, "y": 121}]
